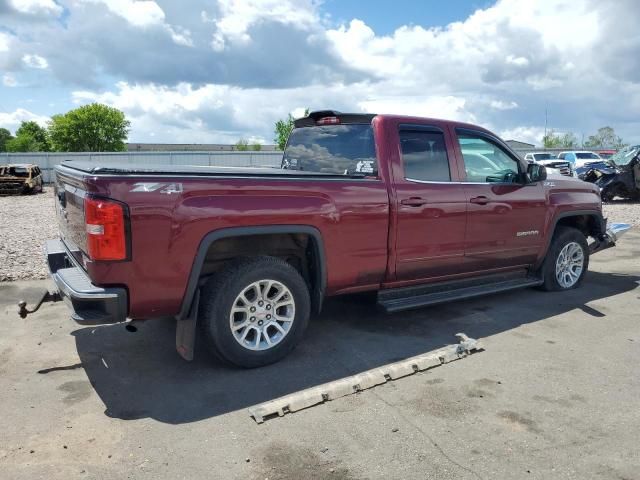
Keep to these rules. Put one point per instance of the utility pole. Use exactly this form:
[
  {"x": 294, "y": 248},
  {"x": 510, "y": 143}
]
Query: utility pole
[{"x": 545, "y": 124}]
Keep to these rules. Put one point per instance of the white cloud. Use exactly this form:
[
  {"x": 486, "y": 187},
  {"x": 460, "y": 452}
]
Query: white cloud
[
  {"x": 237, "y": 16},
  {"x": 37, "y": 7},
  {"x": 5, "y": 42},
  {"x": 449, "y": 107},
  {"x": 35, "y": 61},
  {"x": 142, "y": 13},
  {"x": 502, "y": 105},
  {"x": 524, "y": 134},
  {"x": 9, "y": 80},
  {"x": 12, "y": 120},
  {"x": 146, "y": 14}
]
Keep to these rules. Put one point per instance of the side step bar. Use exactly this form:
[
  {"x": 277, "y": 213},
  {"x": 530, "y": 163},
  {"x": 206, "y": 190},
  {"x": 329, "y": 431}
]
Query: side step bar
[{"x": 396, "y": 300}]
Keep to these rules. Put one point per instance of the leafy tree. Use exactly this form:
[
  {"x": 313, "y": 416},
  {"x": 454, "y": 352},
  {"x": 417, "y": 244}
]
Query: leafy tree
[
  {"x": 5, "y": 136},
  {"x": 283, "y": 130},
  {"x": 568, "y": 140},
  {"x": 606, "y": 137},
  {"x": 90, "y": 128},
  {"x": 551, "y": 140},
  {"x": 242, "y": 145},
  {"x": 554, "y": 140},
  {"x": 256, "y": 147},
  {"x": 37, "y": 134},
  {"x": 23, "y": 143}
]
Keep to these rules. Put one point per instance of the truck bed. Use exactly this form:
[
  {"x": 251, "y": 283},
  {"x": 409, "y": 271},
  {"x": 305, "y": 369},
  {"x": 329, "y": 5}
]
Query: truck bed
[{"x": 190, "y": 170}]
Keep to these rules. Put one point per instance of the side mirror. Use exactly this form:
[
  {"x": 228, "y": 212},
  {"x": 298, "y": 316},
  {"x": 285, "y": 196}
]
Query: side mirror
[{"x": 536, "y": 173}]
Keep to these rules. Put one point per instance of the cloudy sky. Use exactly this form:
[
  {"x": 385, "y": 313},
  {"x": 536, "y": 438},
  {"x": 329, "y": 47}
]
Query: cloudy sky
[{"x": 200, "y": 71}]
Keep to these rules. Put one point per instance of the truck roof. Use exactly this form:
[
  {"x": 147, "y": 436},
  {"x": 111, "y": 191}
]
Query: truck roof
[{"x": 312, "y": 118}]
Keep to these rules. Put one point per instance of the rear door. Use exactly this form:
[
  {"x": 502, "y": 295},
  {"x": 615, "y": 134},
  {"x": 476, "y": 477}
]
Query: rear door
[
  {"x": 430, "y": 204},
  {"x": 505, "y": 216}
]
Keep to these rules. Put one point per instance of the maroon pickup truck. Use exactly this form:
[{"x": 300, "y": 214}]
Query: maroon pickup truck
[{"x": 420, "y": 210}]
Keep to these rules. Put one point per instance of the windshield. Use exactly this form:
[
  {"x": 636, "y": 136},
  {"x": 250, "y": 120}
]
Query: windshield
[
  {"x": 624, "y": 156},
  {"x": 332, "y": 149},
  {"x": 544, "y": 156},
  {"x": 587, "y": 156}
]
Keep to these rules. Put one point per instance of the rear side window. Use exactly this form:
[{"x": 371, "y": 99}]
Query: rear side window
[
  {"x": 333, "y": 149},
  {"x": 424, "y": 156}
]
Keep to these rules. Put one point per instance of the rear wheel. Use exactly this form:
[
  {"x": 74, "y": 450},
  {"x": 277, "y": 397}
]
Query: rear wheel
[
  {"x": 255, "y": 311},
  {"x": 567, "y": 260}
]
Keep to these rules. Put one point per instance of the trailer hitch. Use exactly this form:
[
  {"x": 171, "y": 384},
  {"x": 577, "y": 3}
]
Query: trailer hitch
[{"x": 47, "y": 296}]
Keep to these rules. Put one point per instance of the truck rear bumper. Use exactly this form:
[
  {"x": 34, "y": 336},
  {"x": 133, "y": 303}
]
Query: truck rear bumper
[{"x": 91, "y": 305}]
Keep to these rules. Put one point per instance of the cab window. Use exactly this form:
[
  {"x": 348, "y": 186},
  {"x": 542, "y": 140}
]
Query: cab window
[
  {"x": 487, "y": 162},
  {"x": 424, "y": 156}
]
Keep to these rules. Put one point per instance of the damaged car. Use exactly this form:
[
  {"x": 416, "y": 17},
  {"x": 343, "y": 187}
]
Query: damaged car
[
  {"x": 20, "y": 179},
  {"x": 618, "y": 176}
]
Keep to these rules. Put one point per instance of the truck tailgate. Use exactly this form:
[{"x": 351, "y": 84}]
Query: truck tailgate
[{"x": 70, "y": 194}]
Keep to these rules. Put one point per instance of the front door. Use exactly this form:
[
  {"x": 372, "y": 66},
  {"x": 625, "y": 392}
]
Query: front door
[
  {"x": 431, "y": 206},
  {"x": 505, "y": 215}
]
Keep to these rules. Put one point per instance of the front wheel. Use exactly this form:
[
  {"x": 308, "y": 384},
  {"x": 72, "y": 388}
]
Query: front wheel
[
  {"x": 567, "y": 260},
  {"x": 255, "y": 311}
]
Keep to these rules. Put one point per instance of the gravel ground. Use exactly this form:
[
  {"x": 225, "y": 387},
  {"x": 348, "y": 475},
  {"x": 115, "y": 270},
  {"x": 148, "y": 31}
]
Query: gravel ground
[{"x": 27, "y": 221}]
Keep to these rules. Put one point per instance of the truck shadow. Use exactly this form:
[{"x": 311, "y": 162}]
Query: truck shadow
[{"x": 139, "y": 375}]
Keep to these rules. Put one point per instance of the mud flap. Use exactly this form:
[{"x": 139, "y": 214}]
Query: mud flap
[
  {"x": 365, "y": 380},
  {"x": 186, "y": 330}
]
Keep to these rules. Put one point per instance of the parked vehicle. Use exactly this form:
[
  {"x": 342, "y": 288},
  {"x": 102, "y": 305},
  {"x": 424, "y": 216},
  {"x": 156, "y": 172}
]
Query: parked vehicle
[
  {"x": 422, "y": 211},
  {"x": 551, "y": 163},
  {"x": 20, "y": 179},
  {"x": 578, "y": 159},
  {"x": 617, "y": 177}
]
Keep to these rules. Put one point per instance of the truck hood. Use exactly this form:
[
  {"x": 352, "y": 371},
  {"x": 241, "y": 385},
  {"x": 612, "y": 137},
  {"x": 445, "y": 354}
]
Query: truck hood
[{"x": 562, "y": 183}]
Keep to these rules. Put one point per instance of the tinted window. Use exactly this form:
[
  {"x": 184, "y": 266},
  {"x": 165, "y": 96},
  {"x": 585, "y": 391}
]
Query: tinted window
[
  {"x": 424, "y": 156},
  {"x": 336, "y": 149},
  {"x": 544, "y": 156},
  {"x": 485, "y": 161},
  {"x": 587, "y": 156}
]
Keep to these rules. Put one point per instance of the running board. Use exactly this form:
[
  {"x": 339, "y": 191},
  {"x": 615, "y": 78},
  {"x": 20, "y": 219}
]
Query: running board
[{"x": 396, "y": 300}]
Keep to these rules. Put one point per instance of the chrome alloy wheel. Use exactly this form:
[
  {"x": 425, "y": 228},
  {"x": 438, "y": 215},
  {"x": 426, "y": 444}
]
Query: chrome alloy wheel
[
  {"x": 569, "y": 265},
  {"x": 262, "y": 315}
]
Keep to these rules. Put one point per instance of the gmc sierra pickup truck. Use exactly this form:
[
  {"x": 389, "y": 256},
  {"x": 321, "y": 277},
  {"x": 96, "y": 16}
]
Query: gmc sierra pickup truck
[{"x": 420, "y": 210}]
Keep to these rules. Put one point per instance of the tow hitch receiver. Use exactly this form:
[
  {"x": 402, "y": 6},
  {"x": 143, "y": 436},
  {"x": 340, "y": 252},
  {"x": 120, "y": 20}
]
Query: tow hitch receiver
[{"x": 47, "y": 296}]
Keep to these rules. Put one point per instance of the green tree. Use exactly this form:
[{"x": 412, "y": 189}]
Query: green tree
[
  {"x": 90, "y": 128},
  {"x": 568, "y": 140},
  {"x": 242, "y": 145},
  {"x": 551, "y": 140},
  {"x": 283, "y": 130},
  {"x": 36, "y": 133},
  {"x": 605, "y": 137},
  {"x": 5, "y": 136},
  {"x": 23, "y": 143},
  {"x": 256, "y": 147},
  {"x": 555, "y": 140}
]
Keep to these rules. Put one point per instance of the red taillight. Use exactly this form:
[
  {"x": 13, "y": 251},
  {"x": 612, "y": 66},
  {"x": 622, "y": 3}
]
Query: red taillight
[
  {"x": 105, "y": 226},
  {"x": 328, "y": 121}
]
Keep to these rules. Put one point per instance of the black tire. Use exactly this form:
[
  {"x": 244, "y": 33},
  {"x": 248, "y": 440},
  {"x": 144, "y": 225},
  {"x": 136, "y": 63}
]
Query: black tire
[
  {"x": 219, "y": 294},
  {"x": 562, "y": 237}
]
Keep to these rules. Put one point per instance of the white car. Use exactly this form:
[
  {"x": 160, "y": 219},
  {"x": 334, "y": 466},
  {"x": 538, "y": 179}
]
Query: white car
[
  {"x": 579, "y": 158},
  {"x": 553, "y": 165}
]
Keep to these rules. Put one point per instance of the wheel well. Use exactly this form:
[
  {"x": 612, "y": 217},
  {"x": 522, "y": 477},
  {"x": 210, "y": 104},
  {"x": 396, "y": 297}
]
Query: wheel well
[
  {"x": 298, "y": 249},
  {"x": 587, "y": 224}
]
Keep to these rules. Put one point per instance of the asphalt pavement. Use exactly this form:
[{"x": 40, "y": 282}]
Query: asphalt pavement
[{"x": 555, "y": 393}]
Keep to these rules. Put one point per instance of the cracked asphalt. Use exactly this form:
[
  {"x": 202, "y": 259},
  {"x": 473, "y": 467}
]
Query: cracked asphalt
[{"x": 554, "y": 394}]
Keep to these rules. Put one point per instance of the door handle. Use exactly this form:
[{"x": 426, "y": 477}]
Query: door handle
[
  {"x": 414, "y": 201},
  {"x": 481, "y": 200}
]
